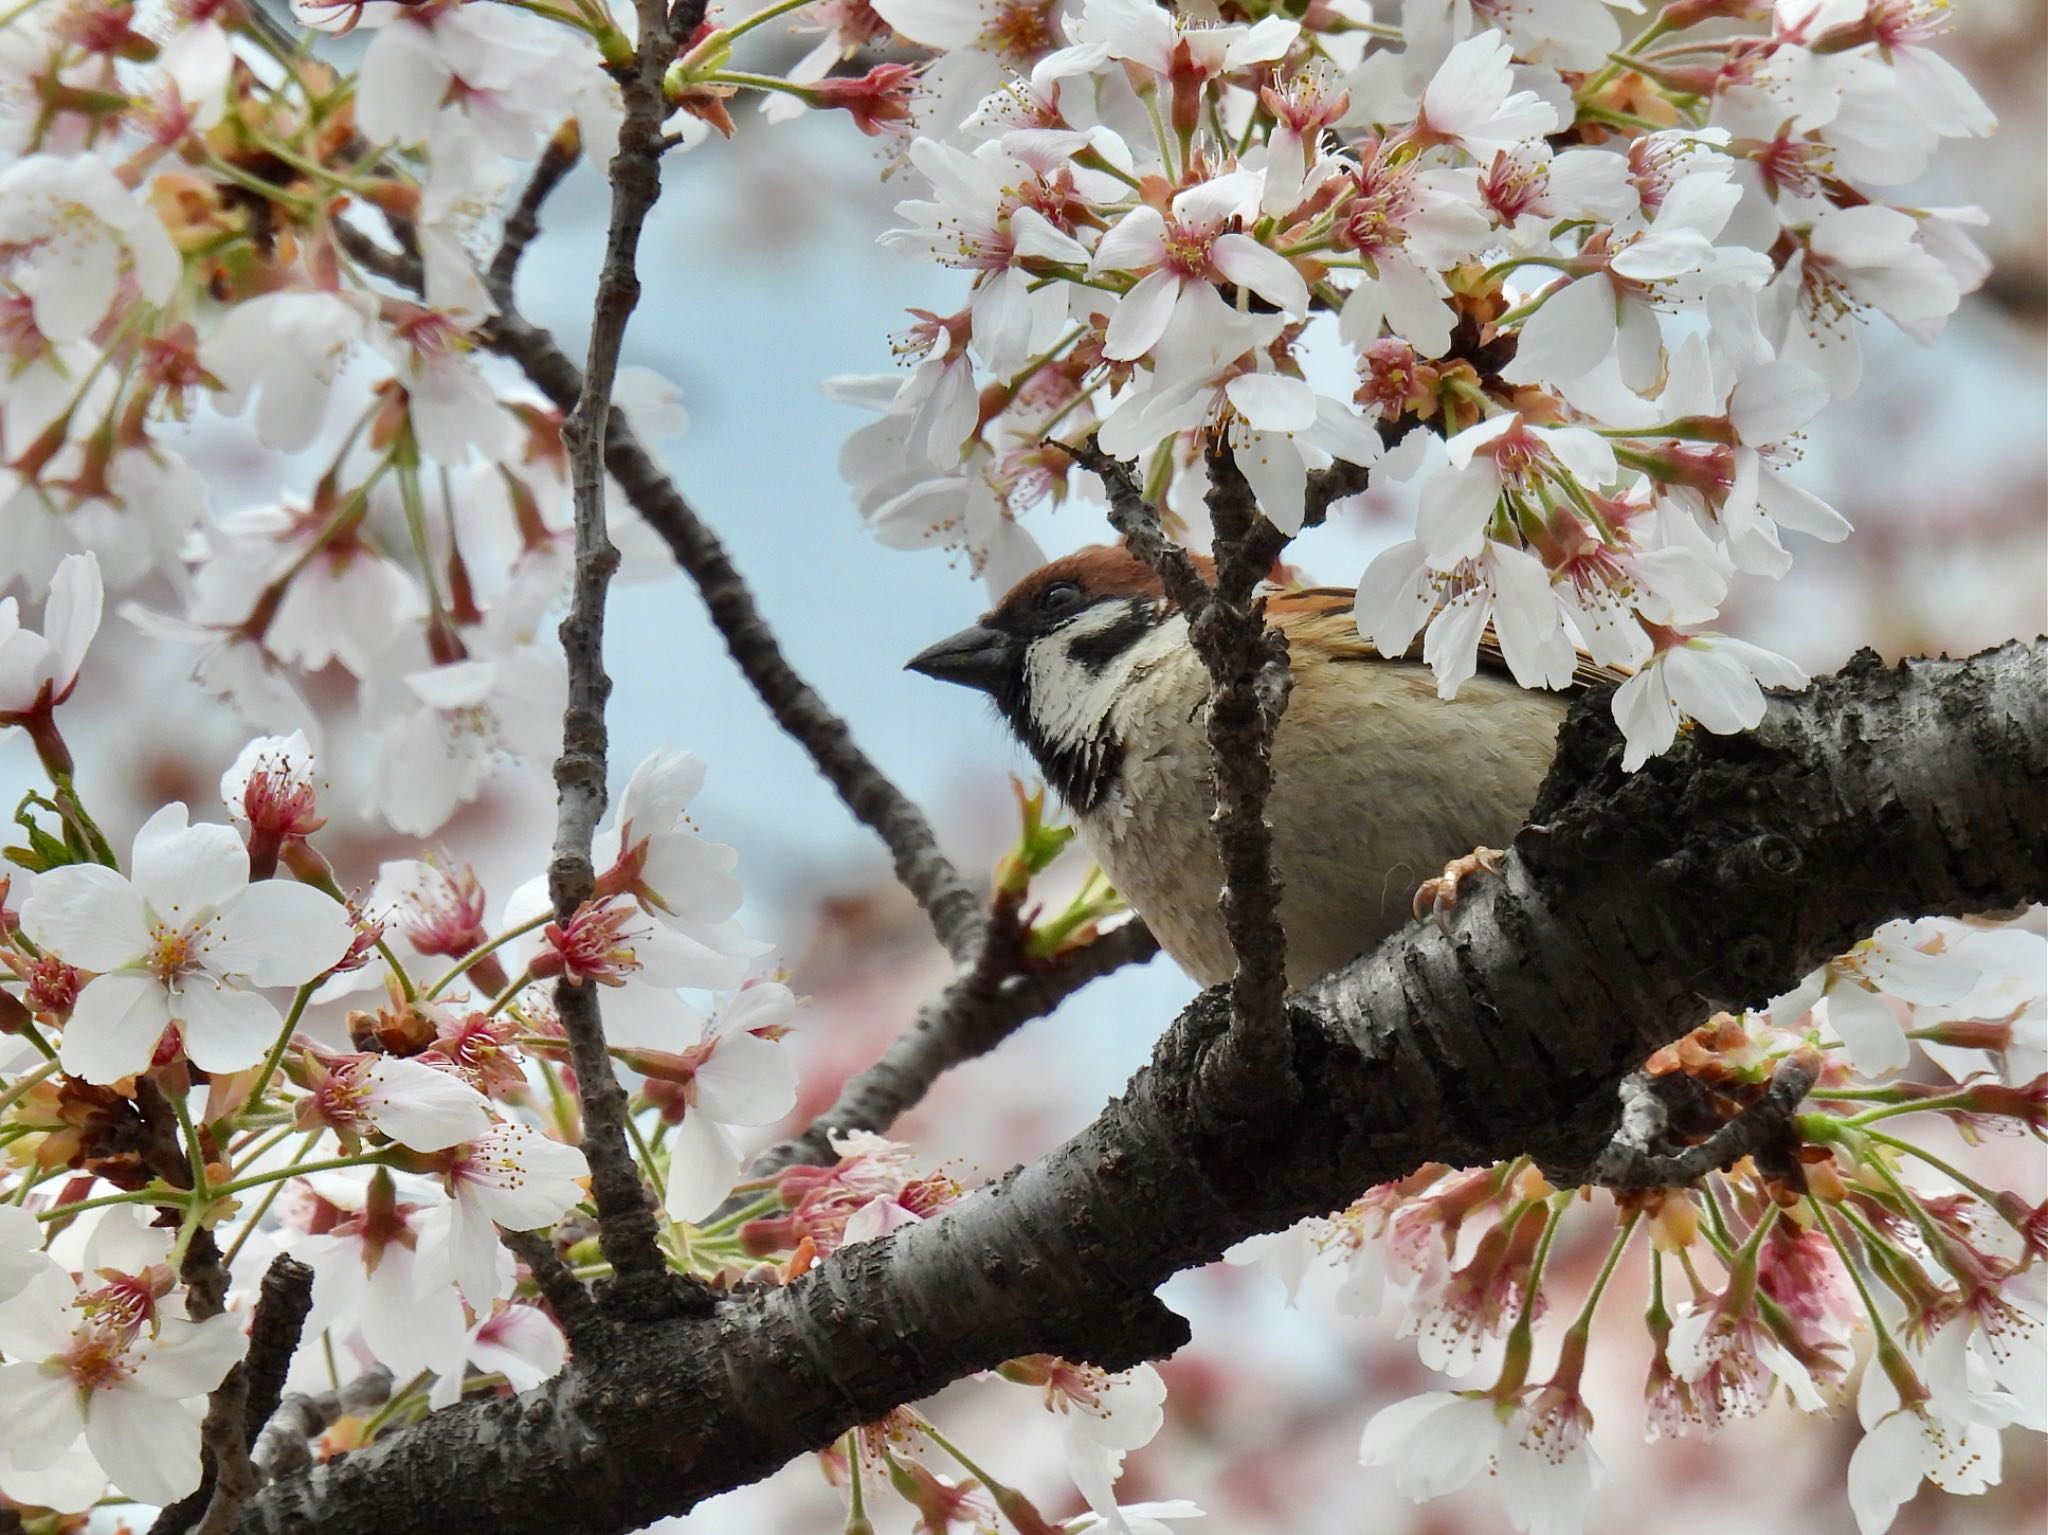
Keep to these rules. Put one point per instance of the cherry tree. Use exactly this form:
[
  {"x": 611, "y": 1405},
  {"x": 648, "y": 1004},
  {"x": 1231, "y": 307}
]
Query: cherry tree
[{"x": 343, "y": 1192}]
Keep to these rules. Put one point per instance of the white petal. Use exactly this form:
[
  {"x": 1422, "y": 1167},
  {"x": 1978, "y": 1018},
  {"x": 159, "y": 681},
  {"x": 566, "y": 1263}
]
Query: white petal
[
  {"x": 279, "y": 934},
  {"x": 226, "y": 1028},
  {"x": 1452, "y": 514},
  {"x": 1141, "y": 317},
  {"x": 660, "y": 791},
  {"x": 38, "y": 1412},
  {"x": 1568, "y": 336},
  {"x": 1871, "y": 1030},
  {"x": 1273, "y": 467},
  {"x": 425, "y": 1109},
  {"x": 148, "y": 1447},
  {"x": 73, "y": 615},
  {"x": 1394, "y": 597},
  {"x": 181, "y": 870},
  {"x": 1647, "y": 716},
  {"x": 1266, "y": 272},
  {"x": 1885, "y": 1471},
  {"x": 747, "y": 1080},
  {"x": 188, "y": 1359},
  {"x": 1774, "y": 400},
  {"x": 1714, "y": 688},
  {"x": 87, "y": 915},
  {"x": 1135, "y": 241},
  {"x": 704, "y": 1163},
  {"x": 114, "y": 1027},
  {"x": 1273, "y": 402}
]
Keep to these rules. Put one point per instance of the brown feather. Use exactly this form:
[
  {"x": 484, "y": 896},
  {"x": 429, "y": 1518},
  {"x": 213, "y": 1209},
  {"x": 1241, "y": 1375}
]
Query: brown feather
[{"x": 1325, "y": 613}]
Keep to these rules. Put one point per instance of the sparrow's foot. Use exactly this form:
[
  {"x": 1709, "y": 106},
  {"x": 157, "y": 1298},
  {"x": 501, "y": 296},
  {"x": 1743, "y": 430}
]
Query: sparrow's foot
[{"x": 1439, "y": 896}]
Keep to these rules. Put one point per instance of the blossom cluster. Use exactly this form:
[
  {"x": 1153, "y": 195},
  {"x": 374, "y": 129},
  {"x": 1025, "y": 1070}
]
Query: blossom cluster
[
  {"x": 1772, "y": 1281},
  {"x": 1568, "y": 302},
  {"x": 185, "y": 1034}
]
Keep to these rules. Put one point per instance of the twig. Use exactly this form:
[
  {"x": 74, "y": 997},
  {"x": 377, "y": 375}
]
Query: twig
[
  {"x": 562, "y": 1290},
  {"x": 983, "y": 1006},
  {"x": 523, "y": 223},
  {"x": 1627, "y": 1163},
  {"x": 954, "y": 909},
  {"x": 282, "y": 1305},
  {"x": 1249, "y": 683},
  {"x": 626, "y": 1226},
  {"x": 242, "y": 1404}
]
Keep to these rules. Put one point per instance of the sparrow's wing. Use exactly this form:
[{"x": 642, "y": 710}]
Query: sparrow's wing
[{"x": 1323, "y": 613}]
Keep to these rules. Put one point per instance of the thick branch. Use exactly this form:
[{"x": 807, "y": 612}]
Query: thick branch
[
  {"x": 627, "y": 1230},
  {"x": 1720, "y": 873}
]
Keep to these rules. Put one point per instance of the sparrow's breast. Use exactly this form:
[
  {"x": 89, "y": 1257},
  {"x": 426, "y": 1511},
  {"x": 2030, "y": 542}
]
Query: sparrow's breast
[{"x": 1377, "y": 783}]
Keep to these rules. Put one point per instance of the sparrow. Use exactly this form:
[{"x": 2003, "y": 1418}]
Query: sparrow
[{"x": 1377, "y": 782}]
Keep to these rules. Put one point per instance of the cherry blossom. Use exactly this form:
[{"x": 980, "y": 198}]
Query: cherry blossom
[
  {"x": 103, "y": 1356},
  {"x": 73, "y": 234},
  {"x": 1436, "y": 1442},
  {"x": 407, "y": 1100},
  {"x": 521, "y": 1343},
  {"x": 188, "y": 940},
  {"x": 363, "y": 1235},
  {"x": 511, "y": 1176},
  {"x": 270, "y": 788},
  {"x": 1187, "y": 247},
  {"x": 451, "y": 722},
  {"x": 38, "y": 671},
  {"x": 733, "y": 1072},
  {"x": 1852, "y": 989},
  {"x": 1102, "y": 1418},
  {"x": 1712, "y": 678},
  {"x": 1471, "y": 100},
  {"x": 291, "y": 347}
]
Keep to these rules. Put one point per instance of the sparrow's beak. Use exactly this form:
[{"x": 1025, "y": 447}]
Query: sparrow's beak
[{"x": 976, "y": 657}]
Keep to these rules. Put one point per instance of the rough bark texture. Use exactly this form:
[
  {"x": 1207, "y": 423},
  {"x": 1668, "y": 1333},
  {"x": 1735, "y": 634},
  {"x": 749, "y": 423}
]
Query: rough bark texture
[
  {"x": 626, "y": 1225},
  {"x": 1716, "y": 875}
]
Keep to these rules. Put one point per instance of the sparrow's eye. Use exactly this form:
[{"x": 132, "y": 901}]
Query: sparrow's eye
[{"x": 1060, "y": 597}]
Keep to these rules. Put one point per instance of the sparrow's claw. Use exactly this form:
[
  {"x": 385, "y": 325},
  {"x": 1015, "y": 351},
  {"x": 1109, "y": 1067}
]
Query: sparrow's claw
[{"x": 1439, "y": 896}]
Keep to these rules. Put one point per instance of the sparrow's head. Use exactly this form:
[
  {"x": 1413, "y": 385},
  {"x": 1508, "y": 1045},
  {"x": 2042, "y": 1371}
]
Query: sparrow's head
[{"x": 1055, "y": 655}]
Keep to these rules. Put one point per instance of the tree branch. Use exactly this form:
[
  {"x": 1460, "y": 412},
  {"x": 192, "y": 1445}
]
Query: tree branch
[
  {"x": 238, "y": 1408},
  {"x": 983, "y": 1006},
  {"x": 563, "y": 150},
  {"x": 1249, "y": 683},
  {"x": 954, "y": 909},
  {"x": 641, "y": 1283},
  {"x": 1720, "y": 873}
]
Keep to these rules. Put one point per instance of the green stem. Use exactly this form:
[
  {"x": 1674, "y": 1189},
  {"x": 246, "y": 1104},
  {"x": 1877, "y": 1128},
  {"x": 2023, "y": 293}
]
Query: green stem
[
  {"x": 325, "y": 1165},
  {"x": 284, "y": 1039},
  {"x": 513, "y": 987},
  {"x": 1827, "y": 1225},
  {"x": 768, "y": 1204},
  {"x": 494, "y": 944},
  {"x": 1583, "y": 1322},
  {"x": 1946, "y": 1168},
  {"x": 24, "y": 1083},
  {"x": 254, "y": 1219}
]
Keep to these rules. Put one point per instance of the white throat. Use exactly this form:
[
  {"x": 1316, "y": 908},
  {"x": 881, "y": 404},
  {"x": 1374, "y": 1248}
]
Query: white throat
[{"x": 1074, "y": 704}]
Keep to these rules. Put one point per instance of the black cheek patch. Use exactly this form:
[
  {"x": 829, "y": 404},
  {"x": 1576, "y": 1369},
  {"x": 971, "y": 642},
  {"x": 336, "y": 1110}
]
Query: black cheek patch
[{"x": 1094, "y": 652}]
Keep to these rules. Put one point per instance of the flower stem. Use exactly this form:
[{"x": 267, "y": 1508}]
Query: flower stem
[{"x": 478, "y": 953}]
